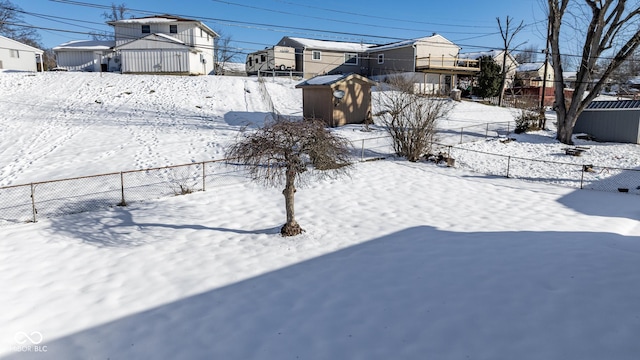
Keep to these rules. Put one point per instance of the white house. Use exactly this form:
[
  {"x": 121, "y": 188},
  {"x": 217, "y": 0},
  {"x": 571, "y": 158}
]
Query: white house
[
  {"x": 87, "y": 55},
  {"x": 164, "y": 44},
  {"x": 17, "y": 56}
]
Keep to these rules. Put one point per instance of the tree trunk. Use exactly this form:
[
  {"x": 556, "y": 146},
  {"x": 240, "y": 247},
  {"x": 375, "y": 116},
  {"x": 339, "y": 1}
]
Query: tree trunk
[
  {"x": 291, "y": 227},
  {"x": 565, "y": 130}
]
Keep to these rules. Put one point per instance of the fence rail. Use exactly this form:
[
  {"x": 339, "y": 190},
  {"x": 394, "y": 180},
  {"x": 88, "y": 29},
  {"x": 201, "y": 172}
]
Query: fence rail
[{"x": 30, "y": 202}]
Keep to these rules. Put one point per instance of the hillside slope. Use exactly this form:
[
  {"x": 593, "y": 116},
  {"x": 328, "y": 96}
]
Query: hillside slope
[{"x": 57, "y": 125}]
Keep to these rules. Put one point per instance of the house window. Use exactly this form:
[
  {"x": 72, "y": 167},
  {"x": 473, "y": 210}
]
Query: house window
[
  {"x": 173, "y": 29},
  {"x": 380, "y": 58},
  {"x": 263, "y": 58},
  {"x": 14, "y": 53},
  {"x": 316, "y": 55},
  {"x": 351, "y": 58},
  {"x": 146, "y": 29},
  {"x": 201, "y": 33}
]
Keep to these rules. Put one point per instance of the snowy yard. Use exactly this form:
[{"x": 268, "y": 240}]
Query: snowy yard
[{"x": 400, "y": 260}]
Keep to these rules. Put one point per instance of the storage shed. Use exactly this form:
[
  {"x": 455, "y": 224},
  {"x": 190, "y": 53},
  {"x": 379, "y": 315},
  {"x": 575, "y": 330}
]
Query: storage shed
[
  {"x": 611, "y": 121},
  {"x": 337, "y": 99},
  {"x": 87, "y": 55}
]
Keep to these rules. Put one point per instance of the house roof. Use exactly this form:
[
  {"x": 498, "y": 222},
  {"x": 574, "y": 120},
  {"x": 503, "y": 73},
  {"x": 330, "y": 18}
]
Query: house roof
[
  {"x": 622, "y": 104},
  {"x": 534, "y": 66},
  {"x": 324, "y": 44},
  {"x": 634, "y": 81},
  {"x": 17, "y": 45},
  {"x": 86, "y": 45},
  {"x": 328, "y": 80},
  {"x": 153, "y": 37},
  {"x": 434, "y": 39},
  {"x": 159, "y": 19}
]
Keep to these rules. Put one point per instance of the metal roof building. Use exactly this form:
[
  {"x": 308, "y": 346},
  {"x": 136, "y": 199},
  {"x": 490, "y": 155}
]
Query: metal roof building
[{"x": 611, "y": 121}]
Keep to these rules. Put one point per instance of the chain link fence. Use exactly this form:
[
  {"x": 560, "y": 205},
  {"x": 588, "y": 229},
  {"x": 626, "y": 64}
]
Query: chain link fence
[
  {"x": 30, "y": 202},
  {"x": 580, "y": 176}
]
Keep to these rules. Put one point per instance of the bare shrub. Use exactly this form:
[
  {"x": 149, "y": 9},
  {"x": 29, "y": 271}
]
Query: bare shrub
[{"x": 411, "y": 118}]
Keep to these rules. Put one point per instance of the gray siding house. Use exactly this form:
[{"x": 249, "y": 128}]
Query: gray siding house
[
  {"x": 17, "y": 56},
  {"x": 319, "y": 57},
  {"x": 611, "y": 121}
]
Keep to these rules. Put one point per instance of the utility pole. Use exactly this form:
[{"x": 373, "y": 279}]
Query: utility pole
[{"x": 542, "y": 122}]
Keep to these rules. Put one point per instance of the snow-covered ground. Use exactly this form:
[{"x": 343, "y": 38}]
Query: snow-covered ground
[{"x": 399, "y": 260}]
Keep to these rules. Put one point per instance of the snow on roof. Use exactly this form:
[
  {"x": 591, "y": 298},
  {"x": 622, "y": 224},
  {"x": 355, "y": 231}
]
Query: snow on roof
[
  {"x": 86, "y": 45},
  {"x": 324, "y": 79},
  {"x": 332, "y": 79},
  {"x": 331, "y": 45},
  {"x": 530, "y": 66},
  {"x": 155, "y": 19},
  {"x": 435, "y": 39},
  {"x": 18, "y": 45},
  {"x": 170, "y": 38},
  {"x": 634, "y": 81},
  {"x": 479, "y": 54}
]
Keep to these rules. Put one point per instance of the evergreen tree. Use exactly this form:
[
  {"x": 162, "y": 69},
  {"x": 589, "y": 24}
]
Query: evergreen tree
[{"x": 490, "y": 77}]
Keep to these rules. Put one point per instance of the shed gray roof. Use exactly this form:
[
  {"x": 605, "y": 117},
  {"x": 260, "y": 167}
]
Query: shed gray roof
[{"x": 621, "y": 104}]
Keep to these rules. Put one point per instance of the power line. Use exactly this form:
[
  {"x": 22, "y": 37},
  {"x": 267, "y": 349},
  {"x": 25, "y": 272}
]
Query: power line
[
  {"x": 379, "y": 17},
  {"x": 337, "y": 21}
]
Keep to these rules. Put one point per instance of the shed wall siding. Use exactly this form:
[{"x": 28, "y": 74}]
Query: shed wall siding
[
  {"x": 317, "y": 104},
  {"x": 610, "y": 125},
  {"x": 152, "y": 61},
  {"x": 78, "y": 60}
]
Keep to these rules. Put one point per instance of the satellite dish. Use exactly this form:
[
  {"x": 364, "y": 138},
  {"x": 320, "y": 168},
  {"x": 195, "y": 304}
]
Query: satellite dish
[{"x": 338, "y": 94}]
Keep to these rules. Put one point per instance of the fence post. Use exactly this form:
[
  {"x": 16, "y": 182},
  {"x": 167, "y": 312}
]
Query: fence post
[
  {"x": 582, "y": 177},
  {"x": 461, "y": 131},
  {"x": 508, "y": 129},
  {"x": 122, "y": 202},
  {"x": 486, "y": 133},
  {"x": 204, "y": 177},
  {"x": 508, "y": 164},
  {"x": 362, "y": 151},
  {"x": 33, "y": 202}
]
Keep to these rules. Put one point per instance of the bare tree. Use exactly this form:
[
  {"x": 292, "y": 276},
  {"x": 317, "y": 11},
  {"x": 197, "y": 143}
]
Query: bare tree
[
  {"x": 291, "y": 152},
  {"x": 528, "y": 54},
  {"x": 117, "y": 12},
  {"x": 508, "y": 33},
  {"x": 10, "y": 25},
  {"x": 612, "y": 33},
  {"x": 410, "y": 118},
  {"x": 224, "y": 52}
]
